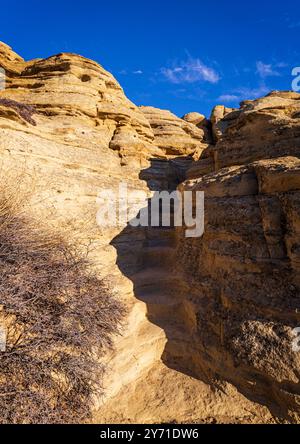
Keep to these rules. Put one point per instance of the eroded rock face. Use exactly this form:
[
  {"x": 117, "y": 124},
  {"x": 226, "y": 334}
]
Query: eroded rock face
[
  {"x": 67, "y": 91},
  {"x": 209, "y": 323},
  {"x": 203, "y": 123},
  {"x": 244, "y": 272},
  {"x": 219, "y": 122},
  {"x": 195, "y": 118},
  {"x": 86, "y": 137},
  {"x": 173, "y": 135},
  {"x": 265, "y": 128}
]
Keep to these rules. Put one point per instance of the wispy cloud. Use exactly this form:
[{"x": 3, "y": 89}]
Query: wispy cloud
[
  {"x": 253, "y": 93},
  {"x": 294, "y": 25},
  {"x": 244, "y": 93},
  {"x": 266, "y": 70},
  {"x": 191, "y": 70},
  {"x": 194, "y": 94},
  {"x": 125, "y": 72},
  {"x": 228, "y": 98},
  {"x": 282, "y": 65}
]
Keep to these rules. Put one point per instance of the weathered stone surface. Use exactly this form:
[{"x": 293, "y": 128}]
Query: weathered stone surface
[
  {"x": 261, "y": 129},
  {"x": 244, "y": 280},
  {"x": 218, "y": 121},
  {"x": 68, "y": 90},
  {"x": 173, "y": 135},
  {"x": 195, "y": 118},
  {"x": 89, "y": 137},
  {"x": 201, "y": 122},
  {"x": 208, "y": 332},
  {"x": 10, "y": 61},
  {"x": 278, "y": 175}
]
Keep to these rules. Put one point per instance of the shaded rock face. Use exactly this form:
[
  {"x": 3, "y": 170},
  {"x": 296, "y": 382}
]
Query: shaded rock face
[
  {"x": 203, "y": 123},
  {"x": 218, "y": 121},
  {"x": 243, "y": 274},
  {"x": 209, "y": 327}
]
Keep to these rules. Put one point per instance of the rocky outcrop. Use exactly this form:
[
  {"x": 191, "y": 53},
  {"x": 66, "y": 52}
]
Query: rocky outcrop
[
  {"x": 88, "y": 137},
  {"x": 173, "y": 135},
  {"x": 70, "y": 92},
  {"x": 203, "y": 123},
  {"x": 264, "y": 128},
  {"x": 159, "y": 381},
  {"x": 260, "y": 129},
  {"x": 220, "y": 118},
  {"x": 207, "y": 337},
  {"x": 243, "y": 274}
]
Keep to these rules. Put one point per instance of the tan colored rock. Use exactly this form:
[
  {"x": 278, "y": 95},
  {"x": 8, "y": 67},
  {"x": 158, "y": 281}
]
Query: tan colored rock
[
  {"x": 228, "y": 182},
  {"x": 263, "y": 128},
  {"x": 244, "y": 279},
  {"x": 173, "y": 135},
  {"x": 201, "y": 122},
  {"x": 207, "y": 336},
  {"x": 89, "y": 137},
  {"x": 218, "y": 121},
  {"x": 10, "y": 61},
  {"x": 82, "y": 93},
  {"x": 278, "y": 175},
  {"x": 195, "y": 118}
]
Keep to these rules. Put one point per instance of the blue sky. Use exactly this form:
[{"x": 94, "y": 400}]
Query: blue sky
[{"x": 179, "y": 55}]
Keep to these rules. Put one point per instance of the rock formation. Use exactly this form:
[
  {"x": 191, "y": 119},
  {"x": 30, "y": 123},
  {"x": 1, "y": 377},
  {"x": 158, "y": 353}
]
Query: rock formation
[
  {"x": 244, "y": 281},
  {"x": 209, "y": 328}
]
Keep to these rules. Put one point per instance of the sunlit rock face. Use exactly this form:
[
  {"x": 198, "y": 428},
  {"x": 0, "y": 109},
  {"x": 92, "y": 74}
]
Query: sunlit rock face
[
  {"x": 173, "y": 135},
  {"x": 209, "y": 320},
  {"x": 244, "y": 272}
]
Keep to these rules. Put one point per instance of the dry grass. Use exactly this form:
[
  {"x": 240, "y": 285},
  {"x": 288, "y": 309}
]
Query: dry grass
[{"x": 59, "y": 318}]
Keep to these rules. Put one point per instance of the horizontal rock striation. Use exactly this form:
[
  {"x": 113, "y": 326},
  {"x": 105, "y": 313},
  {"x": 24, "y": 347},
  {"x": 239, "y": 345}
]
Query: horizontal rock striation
[
  {"x": 173, "y": 135},
  {"x": 208, "y": 332},
  {"x": 243, "y": 274}
]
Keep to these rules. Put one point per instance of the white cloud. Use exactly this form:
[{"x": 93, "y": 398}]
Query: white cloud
[
  {"x": 244, "y": 93},
  {"x": 125, "y": 72},
  {"x": 229, "y": 98},
  {"x": 253, "y": 93},
  {"x": 294, "y": 25},
  {"x": 282, "y": 65},
  {"x": 190, "y": 71},
  {"x": 266, "y": 70}
]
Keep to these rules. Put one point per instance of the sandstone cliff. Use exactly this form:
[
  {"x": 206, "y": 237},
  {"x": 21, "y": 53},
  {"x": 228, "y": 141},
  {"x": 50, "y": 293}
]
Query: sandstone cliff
[
  {"x": 244, "y": 273},
  {"x": 244, "y": 281},
  {"x": 208, "y": 332}
]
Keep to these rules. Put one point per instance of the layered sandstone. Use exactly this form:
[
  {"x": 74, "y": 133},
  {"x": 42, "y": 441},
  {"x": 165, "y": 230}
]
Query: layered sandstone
[
  {"x": 260, "y": 129},
  {"x": 173, "y": 135},
  {"x": 207, "y": 336},
  {"x": 244, "y": 273}
]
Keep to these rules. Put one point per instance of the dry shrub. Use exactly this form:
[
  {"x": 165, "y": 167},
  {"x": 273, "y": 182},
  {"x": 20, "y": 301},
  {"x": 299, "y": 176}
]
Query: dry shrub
[
  {"x": 25, "y": 111},
  {"x": 59, "y": 318}
]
